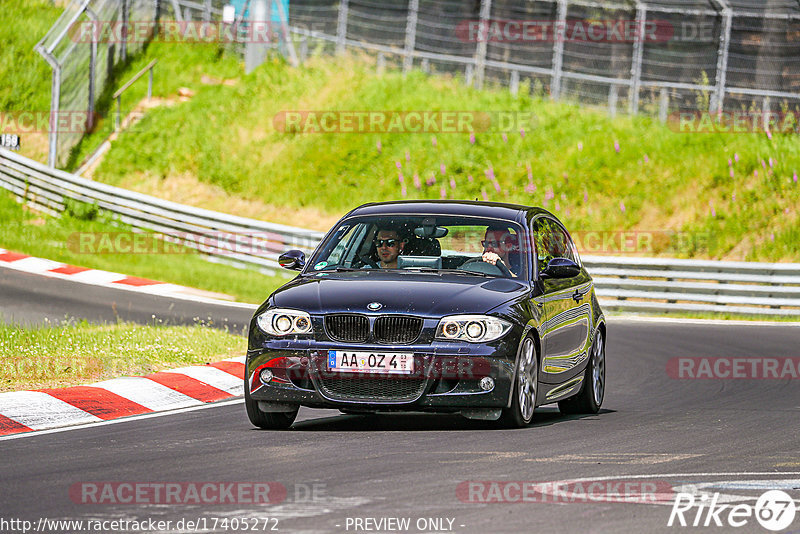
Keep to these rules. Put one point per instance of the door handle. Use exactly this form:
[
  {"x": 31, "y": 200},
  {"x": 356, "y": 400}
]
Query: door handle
[{"x": 577, "y": 296}]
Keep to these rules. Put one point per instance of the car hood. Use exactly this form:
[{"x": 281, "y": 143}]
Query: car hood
[{"x": 425, "y": 294}]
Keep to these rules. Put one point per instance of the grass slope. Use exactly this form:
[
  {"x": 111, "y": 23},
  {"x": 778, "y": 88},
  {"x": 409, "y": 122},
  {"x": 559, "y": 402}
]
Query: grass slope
[
  {"x": 72, "y": 354},
  {"x": 596, "y": 173}
]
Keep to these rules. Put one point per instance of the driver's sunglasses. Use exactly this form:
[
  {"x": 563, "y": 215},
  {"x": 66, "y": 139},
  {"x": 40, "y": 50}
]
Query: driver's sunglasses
[
  {"x": 386, "y": 243},
  {"x": 492, "y": 243}
]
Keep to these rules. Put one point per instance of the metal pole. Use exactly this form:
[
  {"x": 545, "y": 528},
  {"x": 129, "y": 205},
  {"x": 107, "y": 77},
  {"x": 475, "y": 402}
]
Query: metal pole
[
  {"x": 254, "y": 52},
  {"x": 722, "y": 57},
  {"x": 123, "y": 51},
  {"x": 613, "y": 97},
  {"x": 92, "y": 72},
  {"x": 287, "y": 37},
  {"x": 411, "y": 35},
  {"x": 55, "y": 100},
  {"x": 558, "y": 50},
  {"x": 207, "y": 11},
  {"x": 119, "y": 112},
  {"x": 150, "y": 83},
  {"x": 480, "y": 53},
  {"x": 638, "y": 52},
  {"x": 341, "y": 28},
  {"x": 513, "y": 85}
]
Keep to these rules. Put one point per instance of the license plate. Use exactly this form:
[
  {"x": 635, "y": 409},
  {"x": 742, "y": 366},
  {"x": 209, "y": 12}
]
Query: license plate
[{"x": 370, "y": 362}]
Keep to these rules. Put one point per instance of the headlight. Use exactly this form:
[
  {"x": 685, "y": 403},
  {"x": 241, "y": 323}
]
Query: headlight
[
  {"x": 472, "y": 328},
  {"x": 282, "y": 322}
]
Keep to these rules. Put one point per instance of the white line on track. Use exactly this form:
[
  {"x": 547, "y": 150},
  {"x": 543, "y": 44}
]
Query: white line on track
[
  {"x": 122, "y": 420},
  {"x": 675, "y": 320}
]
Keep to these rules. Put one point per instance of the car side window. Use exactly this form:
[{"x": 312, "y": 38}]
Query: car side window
[{"x": 551, "y": 242}]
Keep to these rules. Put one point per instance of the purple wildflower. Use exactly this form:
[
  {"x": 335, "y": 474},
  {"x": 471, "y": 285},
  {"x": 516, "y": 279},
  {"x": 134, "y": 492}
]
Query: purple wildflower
[
  {"x": 452, "y": 183},
  {"x": 433, "y": 140},
  {"x": 398, "y": 165},
  {"x": 794, "y": 177},
  {"x": 400, "y": 177},
  {"x": 417, "y": 183},
  {"x": 496, "y": 186},
  {"x": 530, "y": 188},
  {"x": 622, "y": 206},
  {"x": 646, "y": 159},
  {"x": 580, "y": 146},
  {"x": 483, "y": 193},
  {"x": 470, "y": 178},
  {"x": 769, "y": 135},
  {"x": 408, "y": 155},
  {"x": 731, "y": 173},
  {"x": 736, "y": 157},
  {"x": 755, "y": 174},
  {"x": 730, "y": 162},
  {"x": 472, "y": 138},
  {"x": 505, "y": 138},
  {"x": 558, "y": 206},
  {"x": 585, "y": 197},
  {"x": 379, "y": 146},
  {"x": 403, "y": 190},
  {"x": 522, "y": 132},
  {"x": 616, "y": 146},
  {"x": 442, "y": 168},
  {"x": 443, "y": 192},
  {"x": 786, "y": 211},
  {"x": 733, "y": 198}
]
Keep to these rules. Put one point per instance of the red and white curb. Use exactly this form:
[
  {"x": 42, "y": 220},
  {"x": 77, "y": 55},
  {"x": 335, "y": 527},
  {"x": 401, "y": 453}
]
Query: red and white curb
[
  {"x": 27, "y": 411},
  {"x": 54, "y": 269}
]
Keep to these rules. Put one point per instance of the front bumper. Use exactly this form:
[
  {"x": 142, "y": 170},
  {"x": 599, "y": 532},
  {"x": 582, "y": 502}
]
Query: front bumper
[{"x": 446, "y": 376}]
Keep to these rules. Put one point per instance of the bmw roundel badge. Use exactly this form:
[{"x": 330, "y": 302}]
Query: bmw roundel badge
[{"x": 374, "y": 306}]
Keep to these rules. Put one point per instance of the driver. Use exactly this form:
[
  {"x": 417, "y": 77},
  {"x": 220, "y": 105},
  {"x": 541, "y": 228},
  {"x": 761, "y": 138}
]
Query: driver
[
  {"x": 389, "y": 247},
  {"x": 498, "y": 245}
]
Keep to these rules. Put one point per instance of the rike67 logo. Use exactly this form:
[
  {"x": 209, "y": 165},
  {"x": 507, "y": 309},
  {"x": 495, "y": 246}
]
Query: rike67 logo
[{"x": 774, "y": 510}]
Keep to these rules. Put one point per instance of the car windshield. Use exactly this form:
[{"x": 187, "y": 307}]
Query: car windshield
[{"x": 466, "y": 245}]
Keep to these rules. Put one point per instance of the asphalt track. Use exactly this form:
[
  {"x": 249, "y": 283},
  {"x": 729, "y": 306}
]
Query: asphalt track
[{"x": 735, "y": 437}]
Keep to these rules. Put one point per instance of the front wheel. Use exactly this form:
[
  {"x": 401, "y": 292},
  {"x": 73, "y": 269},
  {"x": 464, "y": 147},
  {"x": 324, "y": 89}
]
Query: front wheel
[
  {"x": 526, "y": 385},
  {"x": 267, "y": 420},
  {"x": 589, "y": 400}
]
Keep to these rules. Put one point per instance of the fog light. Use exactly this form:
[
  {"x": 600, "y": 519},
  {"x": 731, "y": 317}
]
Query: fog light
[
  {"x": 265, "y": 376},
  {"x": 486, "y": 383}
]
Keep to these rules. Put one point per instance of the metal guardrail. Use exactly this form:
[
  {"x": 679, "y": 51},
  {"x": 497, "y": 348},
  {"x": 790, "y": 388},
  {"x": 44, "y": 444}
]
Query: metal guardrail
[
  {"x": 223, "y": 237},
  {"x": 118, "y": 94},
  {"x": 622, "y": 283}
]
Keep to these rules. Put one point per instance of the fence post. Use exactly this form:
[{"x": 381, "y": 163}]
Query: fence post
[
  {"x": 469, "y": 74},
  {"x": 411, "y": 35},
  {"x": 207, "y": 11},
  {"x": 425, "y": 65},
  {"x": 480, "y": 52},
  {"x": 638, "y": 52},
  {"x": 558, "y": 50},
  {"x": 254, "y": 53},
  {"x": 92, "y": 72},
  {"x": 55, "y": 103},
  {"x": 341, "y": 27},
  {"x": 287, "y": 35},
  {"x": 663, "y": 105},
  {"x": 513, "y": 85},
  {"x": 123, "y": 49},
  {"x": 765, "y": 114},
  {"x": 722, "y": 58},
  {"x": 380, "y": 63}
]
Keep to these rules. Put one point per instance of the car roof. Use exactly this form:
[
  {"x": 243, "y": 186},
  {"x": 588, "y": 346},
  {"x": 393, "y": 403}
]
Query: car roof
[{"x": 498, "y": 210}]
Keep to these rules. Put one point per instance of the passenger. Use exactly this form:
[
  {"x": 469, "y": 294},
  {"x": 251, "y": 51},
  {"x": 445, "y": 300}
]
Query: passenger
[
  {"x": 389, "y": 247},
  {"x": 500, "y": 245}
]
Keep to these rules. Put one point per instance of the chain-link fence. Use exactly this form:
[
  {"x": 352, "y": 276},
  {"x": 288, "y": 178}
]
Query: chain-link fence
[{"x": 653, "y": 56}]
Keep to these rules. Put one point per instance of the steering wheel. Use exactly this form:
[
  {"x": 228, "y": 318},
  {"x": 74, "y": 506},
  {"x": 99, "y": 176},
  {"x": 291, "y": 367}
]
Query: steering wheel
[
  {"x": 477, "y": 265},
  {"x": 368, "y": 261}
]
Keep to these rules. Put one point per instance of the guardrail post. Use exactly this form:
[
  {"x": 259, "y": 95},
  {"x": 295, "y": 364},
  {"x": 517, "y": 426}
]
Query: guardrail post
[
  {"x": 765, "y": 113},
  {"x": 663, "y": 105},
  {"x": 469, "y": 74},
  {"x": 513, "y": 85},
  {"x": 558, "y": 50},
  {"x": 638, "y": 52},
  {"x": 411, "y": 35},
  {"x": 341, "y": 27},
  {"x": 722, "y": 58},
  {"x": 613, "y": 97},
  {"x": 425, "y": 65},
  {"x": 380, "y": 63},
  {"x": 150, "y": 83},
  {"x": 480, "y": 52},
  {"x": 207, "y": 11}
]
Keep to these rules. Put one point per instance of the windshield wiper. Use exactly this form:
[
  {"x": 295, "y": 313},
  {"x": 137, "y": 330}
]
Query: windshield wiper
[{"x": 462, "y": 271}]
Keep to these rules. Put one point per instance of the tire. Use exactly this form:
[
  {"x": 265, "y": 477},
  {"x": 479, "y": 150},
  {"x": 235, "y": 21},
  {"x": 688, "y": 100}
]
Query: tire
[
  {"x": 590, "y": 398},
  {"x": 267, "y": 420},
  {"x": 526, "y": 386}
]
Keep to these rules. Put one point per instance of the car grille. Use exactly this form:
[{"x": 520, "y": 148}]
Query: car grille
[
  {"x": 348, "y": 328},
  {"x": 397, "y": 329},
  {"x": 379, "y": 389}
]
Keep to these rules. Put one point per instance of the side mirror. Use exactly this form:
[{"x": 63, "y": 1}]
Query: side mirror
[
  {"x": 293, "y": 259},
  {"x": 561, "y": 268}
]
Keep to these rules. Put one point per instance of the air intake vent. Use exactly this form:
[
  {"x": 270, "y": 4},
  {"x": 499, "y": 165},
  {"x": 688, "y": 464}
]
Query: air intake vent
[
  {"x": 347, "y": 327},
  {"x": 397, "y": 329}
]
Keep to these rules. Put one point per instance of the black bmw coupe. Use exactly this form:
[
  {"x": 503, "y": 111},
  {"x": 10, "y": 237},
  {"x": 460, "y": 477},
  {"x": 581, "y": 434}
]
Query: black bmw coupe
[{"x": 477, "y": 308}]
